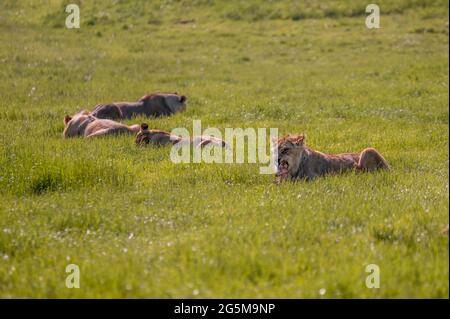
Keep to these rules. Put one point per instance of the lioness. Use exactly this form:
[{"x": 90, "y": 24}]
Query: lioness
[
  {"x": 150, "y": 105},
  {"x": 157, "y": 137},
  {"x": 297, "y": 161},
  {"x": 85, "y": 124}
]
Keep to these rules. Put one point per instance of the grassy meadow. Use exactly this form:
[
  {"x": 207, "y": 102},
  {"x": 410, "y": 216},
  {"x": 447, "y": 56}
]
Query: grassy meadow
[{"x": 140, "y": 226}]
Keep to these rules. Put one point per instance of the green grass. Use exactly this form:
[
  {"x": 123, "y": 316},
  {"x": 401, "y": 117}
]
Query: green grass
[{"x": 140, "y": 226}]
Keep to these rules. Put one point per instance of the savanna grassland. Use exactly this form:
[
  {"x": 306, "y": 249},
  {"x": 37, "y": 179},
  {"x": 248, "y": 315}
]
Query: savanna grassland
[{"x": 139, "y": 225}]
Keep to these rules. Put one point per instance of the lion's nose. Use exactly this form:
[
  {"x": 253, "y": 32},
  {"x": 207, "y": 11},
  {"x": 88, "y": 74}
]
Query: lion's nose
[{"x": 182, "y": 99}]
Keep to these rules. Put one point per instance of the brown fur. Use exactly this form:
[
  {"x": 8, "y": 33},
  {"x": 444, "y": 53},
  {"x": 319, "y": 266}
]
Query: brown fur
[
  {"x": 86, "y": 125},
  {"x": 150, "y": 105},
  {"x": 297, "y": 161},
  {"x": 157, "y": 137}
]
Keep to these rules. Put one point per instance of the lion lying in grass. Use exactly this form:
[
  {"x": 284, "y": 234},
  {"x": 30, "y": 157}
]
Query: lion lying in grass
[
  {"x": 151, "y": 105},
  {"x": 297, "y": 161},
  {"x": 85, "y": 124},
  {"x": 156, "y": 137}
]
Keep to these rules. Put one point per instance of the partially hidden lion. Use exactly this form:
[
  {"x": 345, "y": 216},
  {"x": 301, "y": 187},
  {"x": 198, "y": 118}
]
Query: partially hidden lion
[
  {"x": 86, "y": 125},
  {"x": 150, "y": 105},
  {"x": 156, "y": 137},
  {"x": 297, "y": 161}
]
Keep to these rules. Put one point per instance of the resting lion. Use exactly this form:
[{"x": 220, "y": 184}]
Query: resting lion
[
  {"x": 85, "y": 124},
  {"x": 150, "y": 105},
  {"x": 157, "y": 137},
  {"x": 297, "y": 161}
]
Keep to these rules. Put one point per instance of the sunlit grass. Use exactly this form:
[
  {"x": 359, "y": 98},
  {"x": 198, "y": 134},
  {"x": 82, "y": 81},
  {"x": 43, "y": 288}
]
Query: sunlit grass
[{"x": 139, "y": 225}]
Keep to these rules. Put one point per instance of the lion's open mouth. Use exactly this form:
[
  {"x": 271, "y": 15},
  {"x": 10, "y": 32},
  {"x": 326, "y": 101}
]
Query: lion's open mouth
[{"x": 283, "y": 170}]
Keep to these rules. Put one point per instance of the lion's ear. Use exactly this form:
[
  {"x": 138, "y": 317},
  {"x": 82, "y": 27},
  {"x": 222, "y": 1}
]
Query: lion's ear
[
  {"x": 67, "y": 119},
  {"x": 299, "y": 139},
  {"x": 144, "y": 126}
]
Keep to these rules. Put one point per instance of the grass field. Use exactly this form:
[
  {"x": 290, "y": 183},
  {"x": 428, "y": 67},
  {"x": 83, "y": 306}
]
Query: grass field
[{"x": 139, "y": 225}]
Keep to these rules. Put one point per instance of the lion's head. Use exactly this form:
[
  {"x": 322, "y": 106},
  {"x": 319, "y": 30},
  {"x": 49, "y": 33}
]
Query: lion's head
[
  {"x": 144, "y": 136},
  {"x": 290, "y": 149},
  {"x": 154, "y": 137},
  {"x": 76, "y": 124}
]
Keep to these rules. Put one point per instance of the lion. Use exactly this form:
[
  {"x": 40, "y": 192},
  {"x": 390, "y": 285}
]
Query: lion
[
  {"x": 85, "y": 124},
  {"x": 156, "y": 137},
  {"x": 150, "y": 105},
  {"x": 297, "y": 161}
]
